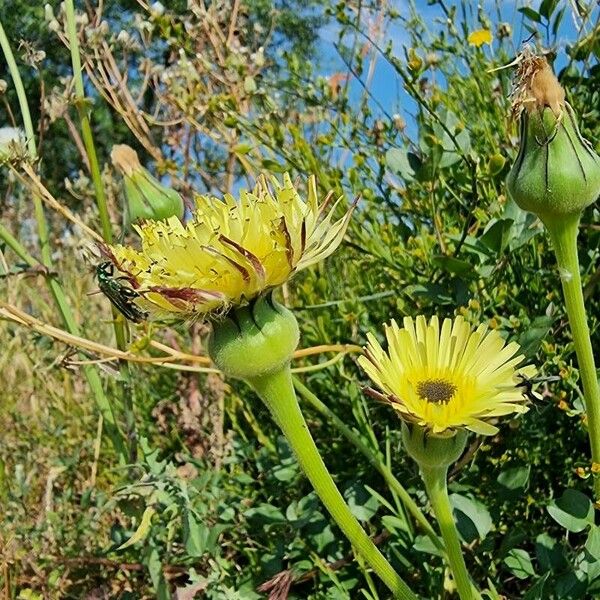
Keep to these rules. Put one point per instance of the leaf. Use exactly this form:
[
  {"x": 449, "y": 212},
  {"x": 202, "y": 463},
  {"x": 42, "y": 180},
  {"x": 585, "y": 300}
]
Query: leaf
[
  {"x": 472, "y": 518},
  {"x": 454, "y": 265},
  {"x": 531, "y": 14},
  {"x": 547, "y": 7},
  {"x": 549, "y": 553},
  {"x": 362, "y": 504},
  {"x": 515, "y": 478},
  {"x": 142, "y": 531},
  {"x": 537, "y": 591},
  {"x": 519, "y": 563},
  {"x": 497, "y": 234},
  {"x": 265, "y": 514},
  {"x": 195, "y": 535},
  {"x": 573, "y": 510},
  {"x": 424, "y": 544},
  {"x": 592, "y": 544},
  {"x": 536, "y": 333},
  {"x": 403, "y": 163}
]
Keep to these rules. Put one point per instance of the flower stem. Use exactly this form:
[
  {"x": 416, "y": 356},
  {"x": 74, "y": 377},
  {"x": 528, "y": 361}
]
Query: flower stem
[
  {"x": 277, "y": 392},
  {"x": 92, "y": 376},
  {"x": 563, "y": 234},
  {"x": 393, "y": 484},
  {"x": 126, "y": 392},
  {"x": 437, "y": 490},
  {"x": 86, "y": 130}
]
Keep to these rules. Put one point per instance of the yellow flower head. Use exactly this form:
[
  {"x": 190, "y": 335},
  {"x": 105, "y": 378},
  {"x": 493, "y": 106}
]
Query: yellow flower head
[
  {"x": 446, "y": 378},
  {"x": 230, "y": 251},
  {"x": 479, "y": 37}
]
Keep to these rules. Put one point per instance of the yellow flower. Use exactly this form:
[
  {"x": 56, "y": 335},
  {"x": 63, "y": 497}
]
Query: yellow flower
[
  {"x": 449, "y": 378},
  {"x": 479, "y": 37},
  {"x": 230, "y": 251}
]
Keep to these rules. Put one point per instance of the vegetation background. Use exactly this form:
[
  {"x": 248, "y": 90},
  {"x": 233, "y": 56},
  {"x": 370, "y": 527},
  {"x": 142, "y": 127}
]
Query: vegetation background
[{"x": 383, "y": 99}]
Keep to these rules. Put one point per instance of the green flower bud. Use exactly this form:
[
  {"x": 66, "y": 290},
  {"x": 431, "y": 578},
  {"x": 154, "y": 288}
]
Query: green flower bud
[
  {"x": 254, "y": 340},
  {"x": 146, "y": 197},
  {"x": 432, "y": 451},
  {"x": 557, "y": 172}
]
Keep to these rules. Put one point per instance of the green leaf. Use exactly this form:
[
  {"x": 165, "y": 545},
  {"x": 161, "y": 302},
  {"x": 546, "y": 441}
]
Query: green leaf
[
  {"x": 195, "y": 535},
  {"x": 519, "y": 563},
  {"x": 573, "y": 510},
  {"x": 538, "y": 590},
  {"x": 530, "y": 14},
  {"x": 265, "y": 514},
  {"x": 514, "y": 479},
  {"x": 472, "y": 518},
  {"x": 497, "y": 234},
  {"x": 403, "y": 163},
  {"x": 547, "y": 7},
  {"x": 534, "y": 335},
  {"x": 592, "y": 544},
  {"x": 549, "y": 553},
  {"x": 362, "y": 504},
  {"x": 454, "y": 265}
]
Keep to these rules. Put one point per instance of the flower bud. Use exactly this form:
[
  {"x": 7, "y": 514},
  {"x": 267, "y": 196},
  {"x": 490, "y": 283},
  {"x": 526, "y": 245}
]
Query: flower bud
[
  {"x": 146, "y": 197},
  {"x": 254, "y": 340},
  {"x": 557, "y": 172},
  {"x": 431, "y": 451}
]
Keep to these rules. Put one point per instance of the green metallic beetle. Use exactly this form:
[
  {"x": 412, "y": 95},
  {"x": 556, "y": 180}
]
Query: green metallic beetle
[{"x": 121, "y": 296}]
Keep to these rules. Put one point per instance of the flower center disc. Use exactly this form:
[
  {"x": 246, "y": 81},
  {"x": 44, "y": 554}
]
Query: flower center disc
[{"x": 438, "y": 391}]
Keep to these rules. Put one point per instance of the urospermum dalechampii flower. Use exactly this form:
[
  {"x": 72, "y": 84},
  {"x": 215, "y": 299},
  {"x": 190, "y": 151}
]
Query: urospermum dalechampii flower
[
  {"x": 230, "y": 251},
  {"x": 449, "y": 378}
]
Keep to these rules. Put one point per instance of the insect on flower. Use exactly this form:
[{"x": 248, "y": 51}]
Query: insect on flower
[{"x": 121, "y": 296}]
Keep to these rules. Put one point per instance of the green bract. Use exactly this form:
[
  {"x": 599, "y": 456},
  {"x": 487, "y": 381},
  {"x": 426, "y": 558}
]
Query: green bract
[
  {"x": 432, "y": 451},
  {"x": 146, "y": 197},
  {"x": 557, "y": 171},
  {"x": 254, "y": 340}
]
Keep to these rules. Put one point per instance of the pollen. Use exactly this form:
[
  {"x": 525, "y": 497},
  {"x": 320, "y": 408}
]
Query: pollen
[{"x": 437, "y": 391}]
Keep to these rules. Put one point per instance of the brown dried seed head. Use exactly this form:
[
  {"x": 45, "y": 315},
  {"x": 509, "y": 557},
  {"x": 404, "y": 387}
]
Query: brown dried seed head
[
  {"x": 535, "y": 85},
  {"x": 125, "y": 159}
]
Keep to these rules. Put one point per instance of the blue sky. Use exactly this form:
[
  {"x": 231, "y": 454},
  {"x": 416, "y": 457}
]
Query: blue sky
[{"x": 385, "y": 85}]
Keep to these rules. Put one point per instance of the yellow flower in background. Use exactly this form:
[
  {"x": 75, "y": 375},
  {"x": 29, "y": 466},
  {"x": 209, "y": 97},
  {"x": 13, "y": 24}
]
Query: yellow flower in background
[
  {"x": 479, "y": 37},
  {"x": 230, "y": 251},
  {"x": 447, "y": 378}
]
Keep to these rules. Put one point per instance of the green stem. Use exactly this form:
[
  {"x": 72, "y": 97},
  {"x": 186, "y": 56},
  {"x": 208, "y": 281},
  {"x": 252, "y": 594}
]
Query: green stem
[
  {"x": 437, "y": 491},
  {"x": 393, "y": 484},
  {"x": 16, "y": 246},
  {"x": 125, "y": 383},
  {"x": 563, "y": 234},
  {"x": 277, "y": 392},
  {"x": 86, "y": 130},
  {"x": 56, "y": 290}
]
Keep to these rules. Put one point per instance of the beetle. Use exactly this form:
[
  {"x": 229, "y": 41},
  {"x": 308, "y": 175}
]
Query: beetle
[{"x": 122, "y": 297}]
